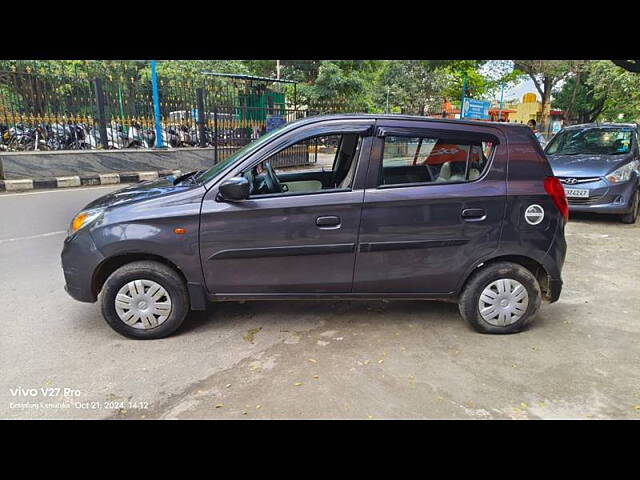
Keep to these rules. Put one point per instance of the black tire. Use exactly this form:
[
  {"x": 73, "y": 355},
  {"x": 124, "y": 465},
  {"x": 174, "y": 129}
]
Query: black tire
[
  {"x": 468, "y": 302},
  {"x": 632, "y": 216},
  {"x": 168, "y": 278}
]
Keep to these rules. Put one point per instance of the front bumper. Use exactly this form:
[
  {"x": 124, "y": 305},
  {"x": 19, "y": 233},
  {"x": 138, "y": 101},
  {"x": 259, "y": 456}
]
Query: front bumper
[
  {"x": 605, "y": 197},
  {"x": 80, "y": 258}
]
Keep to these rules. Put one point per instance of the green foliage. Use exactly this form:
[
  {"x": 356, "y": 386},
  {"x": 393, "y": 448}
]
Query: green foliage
[
  {"x": 411, "y": 86},
  {"x": 604, "y": 92},
  {"x": 621, "y": 89},
  {"x": 406, "y": 86}
]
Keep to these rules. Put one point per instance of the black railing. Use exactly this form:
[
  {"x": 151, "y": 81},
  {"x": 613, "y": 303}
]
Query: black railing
[{"x": 46, "y": 112}]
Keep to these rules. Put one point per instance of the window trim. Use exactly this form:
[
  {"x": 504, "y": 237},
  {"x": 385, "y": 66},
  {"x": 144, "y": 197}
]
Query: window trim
[
  {"x": 426, "y": 184},
  {"x": 291, "y": 134},
  {"x": 298, "y": 194}
]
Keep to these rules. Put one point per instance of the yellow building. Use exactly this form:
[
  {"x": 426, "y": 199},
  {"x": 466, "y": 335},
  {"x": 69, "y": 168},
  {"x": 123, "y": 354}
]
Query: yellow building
[{"x": 529, "y": 108}]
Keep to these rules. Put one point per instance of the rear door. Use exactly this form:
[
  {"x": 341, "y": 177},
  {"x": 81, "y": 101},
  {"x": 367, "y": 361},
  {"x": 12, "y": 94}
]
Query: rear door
[{"x": 434, "y": 204}]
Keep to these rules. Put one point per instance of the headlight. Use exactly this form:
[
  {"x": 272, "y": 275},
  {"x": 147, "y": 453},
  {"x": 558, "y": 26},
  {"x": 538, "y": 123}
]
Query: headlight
[
  {"x": 623, "y": 173},
  {"x": 85, "y": 218}
]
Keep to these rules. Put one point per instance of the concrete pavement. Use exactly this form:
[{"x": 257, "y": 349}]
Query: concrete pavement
[{"x": 301, "y": 359}]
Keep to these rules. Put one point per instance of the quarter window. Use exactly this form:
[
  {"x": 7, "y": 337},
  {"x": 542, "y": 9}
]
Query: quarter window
[{"x": 432, "y": 160}]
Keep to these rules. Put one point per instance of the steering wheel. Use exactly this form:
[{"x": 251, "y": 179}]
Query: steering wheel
[{"x": 273, "y": 184}]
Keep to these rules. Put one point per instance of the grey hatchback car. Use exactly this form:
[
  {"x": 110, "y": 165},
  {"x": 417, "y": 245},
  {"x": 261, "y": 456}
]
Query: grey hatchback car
[
  {"x": 333, "y": 207},
  {"x": 599, "y": 166}
]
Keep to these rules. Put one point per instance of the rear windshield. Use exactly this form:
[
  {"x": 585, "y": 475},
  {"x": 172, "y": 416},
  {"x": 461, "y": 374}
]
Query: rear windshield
[{"x": 593, "y": 141}]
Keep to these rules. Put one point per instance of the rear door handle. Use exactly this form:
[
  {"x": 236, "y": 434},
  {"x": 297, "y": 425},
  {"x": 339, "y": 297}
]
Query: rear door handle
[
  {"x": 330, "y": 221},
  {"x": 474, "y": 214}
]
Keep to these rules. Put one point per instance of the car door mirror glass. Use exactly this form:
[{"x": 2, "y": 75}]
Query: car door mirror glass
[{"x": 234, "y": 189}]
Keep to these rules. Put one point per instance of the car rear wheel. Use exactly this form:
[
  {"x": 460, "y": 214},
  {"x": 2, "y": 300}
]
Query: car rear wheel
[
  {"x": 632, "y": 216},
  {"x": 500, "y": 298},
  {"x": 145, "y": 300}
]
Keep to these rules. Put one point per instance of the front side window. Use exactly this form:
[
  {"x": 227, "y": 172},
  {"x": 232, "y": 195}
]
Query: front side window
[
  {"x": 312, "y": 165},
  {"x": 432, "y": 160},
  {"x": 591, "y": 141}
]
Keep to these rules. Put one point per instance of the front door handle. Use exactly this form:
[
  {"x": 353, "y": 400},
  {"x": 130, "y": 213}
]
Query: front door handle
[
  {"x": 330, "y": 221},
  {"x": 474, "y": 214}
]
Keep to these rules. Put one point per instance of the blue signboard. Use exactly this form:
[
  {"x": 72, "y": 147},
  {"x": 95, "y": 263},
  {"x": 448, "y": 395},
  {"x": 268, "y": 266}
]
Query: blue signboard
[
  {"x": 274, "y": 121},
  {"x": 478, "y": 109}
]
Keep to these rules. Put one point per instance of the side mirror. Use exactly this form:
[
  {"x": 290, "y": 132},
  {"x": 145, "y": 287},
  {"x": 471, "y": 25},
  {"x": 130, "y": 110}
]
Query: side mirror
[{"x": 234, "y": 189}]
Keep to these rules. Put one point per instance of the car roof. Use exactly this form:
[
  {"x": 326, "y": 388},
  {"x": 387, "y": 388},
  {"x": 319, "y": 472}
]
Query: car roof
[
  {"x": 601, "y": 125},
  {"x": 395, "y": 116}
]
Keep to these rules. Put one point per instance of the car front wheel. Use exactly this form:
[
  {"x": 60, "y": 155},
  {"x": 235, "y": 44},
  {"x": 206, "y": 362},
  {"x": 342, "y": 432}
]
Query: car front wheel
[
  {"x": 145, "y": 300},
  {"x": 500, "y": 298}
]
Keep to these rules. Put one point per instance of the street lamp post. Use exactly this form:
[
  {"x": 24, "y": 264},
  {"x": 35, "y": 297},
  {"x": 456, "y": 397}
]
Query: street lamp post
[
  {"x": 387, "y": 109},
  {"x": 464, "y": 92},
  {"x": 501, "y": 102}
]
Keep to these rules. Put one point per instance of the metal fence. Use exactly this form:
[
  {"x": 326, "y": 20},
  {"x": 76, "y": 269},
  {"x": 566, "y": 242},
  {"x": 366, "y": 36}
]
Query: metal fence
[{"x": 46, "y": 112}]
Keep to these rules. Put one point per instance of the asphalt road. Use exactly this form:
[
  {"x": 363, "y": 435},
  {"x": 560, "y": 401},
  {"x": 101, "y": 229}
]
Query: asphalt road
[{"x": 59, "y": 359}]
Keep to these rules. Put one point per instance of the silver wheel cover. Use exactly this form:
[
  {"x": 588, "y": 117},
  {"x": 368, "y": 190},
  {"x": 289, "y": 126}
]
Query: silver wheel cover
[
  {"x": 503, "y": 302},
  {"x": 143, "y": 304}
]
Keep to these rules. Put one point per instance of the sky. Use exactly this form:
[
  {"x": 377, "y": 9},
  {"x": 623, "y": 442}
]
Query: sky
[{"x": 515, "y": 92}]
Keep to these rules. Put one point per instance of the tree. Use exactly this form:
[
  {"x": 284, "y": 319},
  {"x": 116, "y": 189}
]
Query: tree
[
  {"x": 347, "y": 83},
  {"x": 546, "y": 74},
  {"x": 600, "y": 90},
  {"x": 621, "y": 88},
  {"x": 411, "y": 86},
  {"x": 579, "y": 99}
]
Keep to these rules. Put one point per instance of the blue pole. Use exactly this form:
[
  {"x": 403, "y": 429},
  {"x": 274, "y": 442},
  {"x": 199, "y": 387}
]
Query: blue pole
[
  {"x": 156, "y": 104},
  {"x": 464, "y": 92}
]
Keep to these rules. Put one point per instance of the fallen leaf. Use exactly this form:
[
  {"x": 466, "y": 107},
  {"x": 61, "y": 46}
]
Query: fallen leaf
[
  {"x": 227, "y": 385},
  {"x": 316, "y": 376},
  {"x": 297, "y": 384},
  {"x": 637, "y": 407},
  {"x": 220, "y": 405},
  {"x": 313, "y": 360},
  {"x": 258, "y": 407},
  {"x": 366, "y": 362},
  {"x": 244, "y": 413},
  {"x": 251, "y": 333}
]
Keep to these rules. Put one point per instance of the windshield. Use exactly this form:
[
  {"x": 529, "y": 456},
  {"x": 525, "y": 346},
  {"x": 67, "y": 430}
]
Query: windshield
[
  {"x": 220, "y": 166},
  {"x": 594, "y": 141}
]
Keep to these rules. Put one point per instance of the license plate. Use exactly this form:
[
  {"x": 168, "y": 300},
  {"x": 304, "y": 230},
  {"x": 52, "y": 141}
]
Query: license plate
[{"x": 576, "y": 192}]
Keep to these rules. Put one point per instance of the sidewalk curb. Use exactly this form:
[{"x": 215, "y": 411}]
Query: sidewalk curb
[{"x": 82, "y": 181}]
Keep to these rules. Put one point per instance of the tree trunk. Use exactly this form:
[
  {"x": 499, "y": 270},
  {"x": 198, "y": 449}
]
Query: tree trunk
[
  {"x": 546, "y": 101},
  {"x": 573, "y": 99}
]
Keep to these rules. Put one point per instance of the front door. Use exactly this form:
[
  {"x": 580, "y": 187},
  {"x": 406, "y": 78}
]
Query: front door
[
  {"x": 297, "y": 232},
  {"x": 434, "y": 204}
]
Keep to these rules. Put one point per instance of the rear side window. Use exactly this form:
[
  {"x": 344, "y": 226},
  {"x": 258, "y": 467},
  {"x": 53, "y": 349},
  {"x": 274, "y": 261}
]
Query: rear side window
[{"x": 432, "y": 160}]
